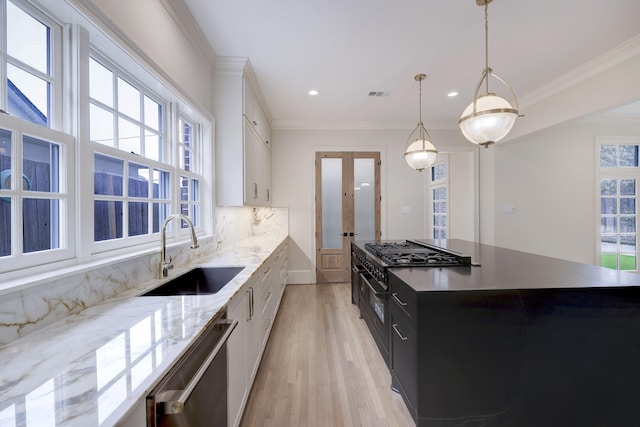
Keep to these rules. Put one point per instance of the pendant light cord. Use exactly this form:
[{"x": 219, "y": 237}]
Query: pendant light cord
[{"x": 486, "y": 43}]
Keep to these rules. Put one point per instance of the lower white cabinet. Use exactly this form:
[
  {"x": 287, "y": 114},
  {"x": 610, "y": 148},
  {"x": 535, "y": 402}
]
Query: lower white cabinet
[
  {"x": 238, "y": 379},
  {"x": 254, "y": 307}
]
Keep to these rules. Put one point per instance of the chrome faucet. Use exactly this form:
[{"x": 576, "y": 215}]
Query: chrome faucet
[{"x": 165, "y": 265}]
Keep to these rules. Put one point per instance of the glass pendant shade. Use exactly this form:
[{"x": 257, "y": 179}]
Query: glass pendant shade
[
  {"x": 493, "y": 119},
  {"x": 420, "y": 154}
]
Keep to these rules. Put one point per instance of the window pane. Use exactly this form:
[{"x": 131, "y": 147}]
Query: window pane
[
  {"x": 152, "y": 113},
  {"x": 5, "y": 226},
  {"x": 152, "y": 146},
  {"x": 627, "y": 205},
  {"x": 108, "y": 173},
  {"x": 5, "y": 159},
  {"x": 184, "y": 188},
  {"x": 439, "y": 233},
  {"x": 628, "y": 262},
  {"x": 628, "y": 155},
  {"x": 440, "y": 220},
  {"x": 628, "y": 187},
  {"x": 185, "y": 159},
  {"x": 41, "y": 228},
  {"x": 608, "y": 205},
  {"x": 439, "y": 171},
  {"x": 161, "y": 184},
  {"x": 608, "y": 187},
  {"x": 609, "y": 260},
  {"x": 27, "y": 39},
  {"x": 128, "y": 99},
  {"x": 194, "y": 190},
  {"x": 40, "y": 165},
  {"x": 608, "y": 244},
  {"x": 128, "y": 136},
  {"x": 628, "y": 224},
  {"x": 440, "y": 207},
  {"x": 160, "y": 213},
  {"x": 101, "y": 125},
  {"x": 608, "y": 225},
  {"x": 101, "y": 83},
  {"x": 628, "y": 243},
  {"x": 608, "y": 156},
  {"x": 107, "y": 220},
  {"x": 28, "y": 96},
  {"x": 138, "y": 218},
  {"x": 138, "y": 180}
]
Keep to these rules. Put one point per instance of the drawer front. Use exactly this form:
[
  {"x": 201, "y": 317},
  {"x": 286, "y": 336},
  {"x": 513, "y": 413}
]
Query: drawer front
[{"x": 403, "y": 297}]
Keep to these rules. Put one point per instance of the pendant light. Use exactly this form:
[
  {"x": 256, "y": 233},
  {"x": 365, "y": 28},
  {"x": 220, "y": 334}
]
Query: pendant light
[
  {"x": 420, "y": 152},
  {"x": 488, "y": 118}
]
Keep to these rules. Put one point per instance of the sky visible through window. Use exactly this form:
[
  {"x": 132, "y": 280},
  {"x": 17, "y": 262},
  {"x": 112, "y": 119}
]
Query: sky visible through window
[{"x": 29, "y": 52}]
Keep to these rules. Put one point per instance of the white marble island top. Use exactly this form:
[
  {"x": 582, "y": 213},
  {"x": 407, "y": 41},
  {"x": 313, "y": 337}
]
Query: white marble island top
[{"x": 91, "y": 368}]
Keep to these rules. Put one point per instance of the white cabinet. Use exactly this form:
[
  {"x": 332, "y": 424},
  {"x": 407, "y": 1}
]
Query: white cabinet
[
  {"x": 243, "y": 136},
  {"x": 257, "y": 166},
  {"x": 238, "y": 380},
  {"x": 255, "y": 307}
]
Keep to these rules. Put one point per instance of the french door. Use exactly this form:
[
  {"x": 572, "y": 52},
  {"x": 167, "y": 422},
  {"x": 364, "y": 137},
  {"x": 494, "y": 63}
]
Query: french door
[{"x": 347, "y": 208}]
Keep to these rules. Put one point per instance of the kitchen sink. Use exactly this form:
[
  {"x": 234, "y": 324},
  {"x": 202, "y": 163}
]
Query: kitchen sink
[{"x": 199, "y": 281}]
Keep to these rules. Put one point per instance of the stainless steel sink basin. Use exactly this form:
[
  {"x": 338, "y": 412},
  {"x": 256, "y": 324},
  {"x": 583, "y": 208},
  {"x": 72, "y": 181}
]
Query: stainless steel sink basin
[{"x": 201, "y": 280}]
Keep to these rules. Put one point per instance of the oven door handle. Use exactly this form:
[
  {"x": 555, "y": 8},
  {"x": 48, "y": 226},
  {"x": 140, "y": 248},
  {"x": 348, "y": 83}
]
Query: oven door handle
[
  {"x": 176, "y": 406},
  {"x": 378, "y": 293},
  {"x": 357, "y": 269}
]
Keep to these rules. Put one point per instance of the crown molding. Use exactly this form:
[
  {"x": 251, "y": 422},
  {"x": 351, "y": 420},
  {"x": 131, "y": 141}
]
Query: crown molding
[
  {"x": 181, "y": 14},
  {"x": 347, "y": 125},
  {"x": 623, "y": 52}
]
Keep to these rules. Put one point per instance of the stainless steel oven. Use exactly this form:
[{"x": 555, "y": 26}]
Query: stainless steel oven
[{"x": 194, "y": 392}]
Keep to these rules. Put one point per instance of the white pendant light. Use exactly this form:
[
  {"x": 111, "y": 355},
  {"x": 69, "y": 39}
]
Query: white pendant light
[
  {"x": 488, "y": 118},
  {"x": 420, "y": 152}
]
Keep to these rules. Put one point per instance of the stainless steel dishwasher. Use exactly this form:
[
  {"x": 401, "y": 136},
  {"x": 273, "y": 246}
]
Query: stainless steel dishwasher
[{"x": 194, "y": 392}]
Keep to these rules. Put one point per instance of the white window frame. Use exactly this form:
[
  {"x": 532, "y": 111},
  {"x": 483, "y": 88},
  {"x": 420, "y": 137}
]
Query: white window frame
[
  {"x": 615, "y": 173},
  {"x": 435, "y": 184},
  {"x": 75, "y": 41},
  {"x": 56, "y": 50},
  {"x": 19, "y": 260}
]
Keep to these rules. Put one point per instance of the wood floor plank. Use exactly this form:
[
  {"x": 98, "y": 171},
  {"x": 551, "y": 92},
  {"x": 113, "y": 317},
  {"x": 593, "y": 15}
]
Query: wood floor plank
[{"x": 321, "y": 367}]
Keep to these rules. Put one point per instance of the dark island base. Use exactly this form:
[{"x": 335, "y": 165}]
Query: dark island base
[{"x": 527, "y": 358}]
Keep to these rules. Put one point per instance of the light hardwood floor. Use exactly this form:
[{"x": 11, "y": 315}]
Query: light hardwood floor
[{"x": 321, "y": 367}]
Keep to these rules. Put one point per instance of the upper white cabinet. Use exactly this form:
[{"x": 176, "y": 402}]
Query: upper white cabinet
[{"x": 243, "y": 136}]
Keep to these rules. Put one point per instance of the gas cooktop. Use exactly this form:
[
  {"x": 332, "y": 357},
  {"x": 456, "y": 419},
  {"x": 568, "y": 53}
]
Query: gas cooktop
[{"x": 409, "y": 253}]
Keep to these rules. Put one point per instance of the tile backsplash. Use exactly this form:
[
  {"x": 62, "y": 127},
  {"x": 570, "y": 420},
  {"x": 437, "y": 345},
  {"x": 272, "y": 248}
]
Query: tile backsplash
[{"x": 33, "y": 308}]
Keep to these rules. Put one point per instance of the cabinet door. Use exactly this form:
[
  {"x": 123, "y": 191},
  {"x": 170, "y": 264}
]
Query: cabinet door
[
  {"x": 403, "y": 355},
  {"x": 254, "y": 332},
  {"x": 264, "y": 170},
  {"x": 251, "y": 166},
  {"x": 239, "y": 386}
]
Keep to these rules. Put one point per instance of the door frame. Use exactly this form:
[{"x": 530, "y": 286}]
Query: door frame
[{"x": 342, "y": 256}]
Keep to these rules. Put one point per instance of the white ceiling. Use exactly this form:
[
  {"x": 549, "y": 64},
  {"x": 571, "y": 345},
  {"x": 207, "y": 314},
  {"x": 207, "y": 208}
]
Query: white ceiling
[{"x": 347, "y": 48}]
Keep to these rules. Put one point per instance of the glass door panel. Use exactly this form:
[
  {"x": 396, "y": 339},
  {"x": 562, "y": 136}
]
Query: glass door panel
[
  {"x": 364, "y": 198},
  {"x": 331, "y": 203}
]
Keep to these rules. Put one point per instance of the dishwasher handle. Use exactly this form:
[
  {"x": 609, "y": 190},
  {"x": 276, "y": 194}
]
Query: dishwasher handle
[{"x": 174, "y": 400}]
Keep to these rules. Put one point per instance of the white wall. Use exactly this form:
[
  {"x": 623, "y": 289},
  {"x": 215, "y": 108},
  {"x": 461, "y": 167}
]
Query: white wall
[
  {"x": 549, "y": 177},
  {"x": 293, "y": 155}
]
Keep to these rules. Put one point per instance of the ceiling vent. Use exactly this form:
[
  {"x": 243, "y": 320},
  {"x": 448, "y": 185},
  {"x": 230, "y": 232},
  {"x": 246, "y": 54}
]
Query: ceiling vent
[{"x": 378, "y": 93}]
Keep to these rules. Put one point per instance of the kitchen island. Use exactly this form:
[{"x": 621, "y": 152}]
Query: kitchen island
[{"x": 520, "y": 340}]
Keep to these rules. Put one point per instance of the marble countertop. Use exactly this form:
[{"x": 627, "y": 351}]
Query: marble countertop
[{"x": 92, "y": 368}]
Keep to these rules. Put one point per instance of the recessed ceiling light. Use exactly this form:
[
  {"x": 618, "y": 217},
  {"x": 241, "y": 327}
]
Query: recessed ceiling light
[
  {"x": 313, "y": 92},
  {"x": 452, "y": 94}
]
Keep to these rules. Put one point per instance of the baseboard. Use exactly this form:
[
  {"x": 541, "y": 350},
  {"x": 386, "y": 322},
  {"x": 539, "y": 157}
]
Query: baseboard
[{"x": 301, "y": 277}]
